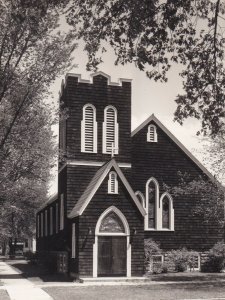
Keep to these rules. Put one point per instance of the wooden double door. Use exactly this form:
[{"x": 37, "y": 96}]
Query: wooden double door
[{"x": 112, "y": 256}]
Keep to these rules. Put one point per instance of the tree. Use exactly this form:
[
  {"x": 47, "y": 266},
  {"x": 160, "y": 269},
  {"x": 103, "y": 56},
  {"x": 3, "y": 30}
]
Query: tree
[
  {"x": 209, "y": 195},
  {"x": 33, "y": 52},
  {"x": 156, "y": 34}
]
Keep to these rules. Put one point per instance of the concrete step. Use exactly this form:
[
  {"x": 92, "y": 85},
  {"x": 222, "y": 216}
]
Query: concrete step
[{"x": 114, "y": 279}]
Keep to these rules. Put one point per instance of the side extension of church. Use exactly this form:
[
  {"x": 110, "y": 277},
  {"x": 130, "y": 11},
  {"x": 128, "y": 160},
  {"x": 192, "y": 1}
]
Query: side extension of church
[{"x": 111, "y": 186}]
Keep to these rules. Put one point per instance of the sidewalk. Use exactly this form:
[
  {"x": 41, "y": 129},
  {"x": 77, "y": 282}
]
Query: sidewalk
[{"x": 19, "y": 288}]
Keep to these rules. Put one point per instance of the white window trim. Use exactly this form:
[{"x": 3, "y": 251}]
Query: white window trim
[
  {"x": 141, "y": 196},
  {"x": 171, "y": 211},
  {"x": 95, "y": 130},
  {"x": 73, "y": 254},
  {"x": 46, "y": 222},
  {"x": 116, "y": 141},
  {"x": 110, "y": 181},
  {"x": 97, "y": 233},
  {"x": 51, "y": 220},
  {"x": 158, "y": 215},
  {"x": 56, "y": 218},
  {"x": 149, "y": 135},
  {"x": 62, "y": 212}
]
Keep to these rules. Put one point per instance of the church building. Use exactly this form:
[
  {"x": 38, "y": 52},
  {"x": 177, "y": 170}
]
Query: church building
[{"x": 111, "y": 186}]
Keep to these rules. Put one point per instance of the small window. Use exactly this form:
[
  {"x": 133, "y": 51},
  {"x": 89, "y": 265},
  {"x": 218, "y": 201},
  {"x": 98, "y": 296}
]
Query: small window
[
  {"x": 73, "y": 240},
  {"x": 112, "y": 183},
  {"x": 62, "y": 212},
  {"x": 56, "y": 218},
  {"x": 51, "y": 220},
  {"x": 42, "y": 225},
  {"x": 156, "y": 262},
  {"x": 46, "y": 223},
  {"x": 152, "y": 219},
  {"x": 38, "y": 226},
  {"x": 152, "y": 134}
]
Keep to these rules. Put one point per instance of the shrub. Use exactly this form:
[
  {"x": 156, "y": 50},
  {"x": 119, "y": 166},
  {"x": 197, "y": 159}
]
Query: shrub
[
  {"x": 151, "y": 248},
  {"x": 216, "y": 259},
  {"x": 179, "y": 259}
]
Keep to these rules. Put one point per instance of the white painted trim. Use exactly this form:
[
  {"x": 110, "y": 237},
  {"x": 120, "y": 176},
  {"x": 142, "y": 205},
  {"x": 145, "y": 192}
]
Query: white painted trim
[
  {"x": 90, "y": 163},
  {"x": 109, "y": 82},
  {"x": 49, "y": 201},
  {"x": 111, "y": 164},
  {"x": 155, "y": 137},
  {"x": 73, "y": 251},
  {"x": 56, "y": 218},
  {"x": 42, "y": 224},
  {"x": 175, "y": 140},
  {"x": 138, "y": 193},
  {"x": 157, "y": 208},
  {"x": 171, "y": 211},
  {"x": 97, "y": 234}
]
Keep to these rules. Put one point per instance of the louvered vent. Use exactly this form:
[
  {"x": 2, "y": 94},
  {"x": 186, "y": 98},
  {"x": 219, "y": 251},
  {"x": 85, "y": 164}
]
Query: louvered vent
[
  {"x": 89, "y": 129},
  {"x": 112, "y": 183},
  {"x": 110, "y": 129},
  {"x": 152, "y": 134}
]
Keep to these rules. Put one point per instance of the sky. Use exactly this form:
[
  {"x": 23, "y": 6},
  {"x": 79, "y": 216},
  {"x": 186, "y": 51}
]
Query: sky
[{"x": 148, "y": 97}]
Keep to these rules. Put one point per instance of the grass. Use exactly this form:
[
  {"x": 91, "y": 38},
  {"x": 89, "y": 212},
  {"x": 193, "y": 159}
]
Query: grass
[{"x": 144, "y": 292}]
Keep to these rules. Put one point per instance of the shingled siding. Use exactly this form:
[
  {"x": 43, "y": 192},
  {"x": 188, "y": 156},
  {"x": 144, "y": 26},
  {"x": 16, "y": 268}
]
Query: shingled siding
[
  {"x": 78, "y": 178},
  {"x": 162, "y": 160},
  {"x": 98, "y": 93},
  {"x": 99, "y": 203}
]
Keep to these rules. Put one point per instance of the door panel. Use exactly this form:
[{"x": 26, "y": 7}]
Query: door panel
[{"x": 112, "y": 256}]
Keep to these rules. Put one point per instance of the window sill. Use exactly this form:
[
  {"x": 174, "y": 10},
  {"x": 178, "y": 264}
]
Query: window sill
[{"x": 165, "y": 230}]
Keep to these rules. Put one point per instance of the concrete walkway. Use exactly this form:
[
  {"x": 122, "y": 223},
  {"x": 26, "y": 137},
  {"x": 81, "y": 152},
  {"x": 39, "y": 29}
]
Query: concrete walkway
[{"x": 18, "y": 287}]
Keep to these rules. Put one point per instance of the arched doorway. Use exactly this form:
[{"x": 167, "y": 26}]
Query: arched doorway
[{"x": 112, "y": 249}]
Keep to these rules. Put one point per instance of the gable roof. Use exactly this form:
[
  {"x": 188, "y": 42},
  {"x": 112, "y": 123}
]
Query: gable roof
[
  {"x": 175, "y": 140},
  {"x": 95, "y": 183}
]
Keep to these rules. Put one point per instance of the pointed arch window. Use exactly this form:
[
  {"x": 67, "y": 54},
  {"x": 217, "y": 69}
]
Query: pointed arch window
[
  {"x": 112, "y": 183},
  {"x": 110, "y": 131},
  {"x": 152, "y": 133},
  {"x": 166, "y": 204},
  {"x": 152, "y": 220},
  {"x": 112, "y": 223},
  {"x": 141, "y": 198},
  {"x": 89, "y": 129}
]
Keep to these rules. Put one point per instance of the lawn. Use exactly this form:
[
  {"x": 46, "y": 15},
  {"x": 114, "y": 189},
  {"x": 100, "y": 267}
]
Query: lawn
[
  {"x": 141, "y": 292},
  {"x": 4, "y": 295}
]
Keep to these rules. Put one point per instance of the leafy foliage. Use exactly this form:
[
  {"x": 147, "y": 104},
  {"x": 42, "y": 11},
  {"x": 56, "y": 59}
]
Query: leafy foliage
[
  {"x": 156, "y": 34},
  {"x": 181, "y": 259},
  {"x": 209, "y": 195},
  {"x": 33, "y": 52},
  {"x": 216, "y": 259}
]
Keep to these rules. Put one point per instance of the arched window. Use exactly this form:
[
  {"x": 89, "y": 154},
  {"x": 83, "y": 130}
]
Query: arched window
[
  {"x": 112, "y": 183},
  {"x": 152, "y": 204},
  {"x": 166, "y": 204},
  {"x": 89, "y": 129},
  {"x": 141, "y": 198},
  {"x": 152, "y": 134},
  {"x": 111, "y": 224},
  {"x": 110, "y": 131}
]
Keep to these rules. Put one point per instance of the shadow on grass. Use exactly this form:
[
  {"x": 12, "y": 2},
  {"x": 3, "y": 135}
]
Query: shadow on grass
[
  {"x": 30, "y": 270},
  {"x": 192, "y": 276}
]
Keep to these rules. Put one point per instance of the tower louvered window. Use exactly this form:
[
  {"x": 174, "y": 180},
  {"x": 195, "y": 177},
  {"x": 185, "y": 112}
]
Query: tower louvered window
[
  {"x": 110, "y": 131},
  {"x": 152, "y": 134},
  {"x": 89, "y": 129},
  {"x": 113, "y": 183}
]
